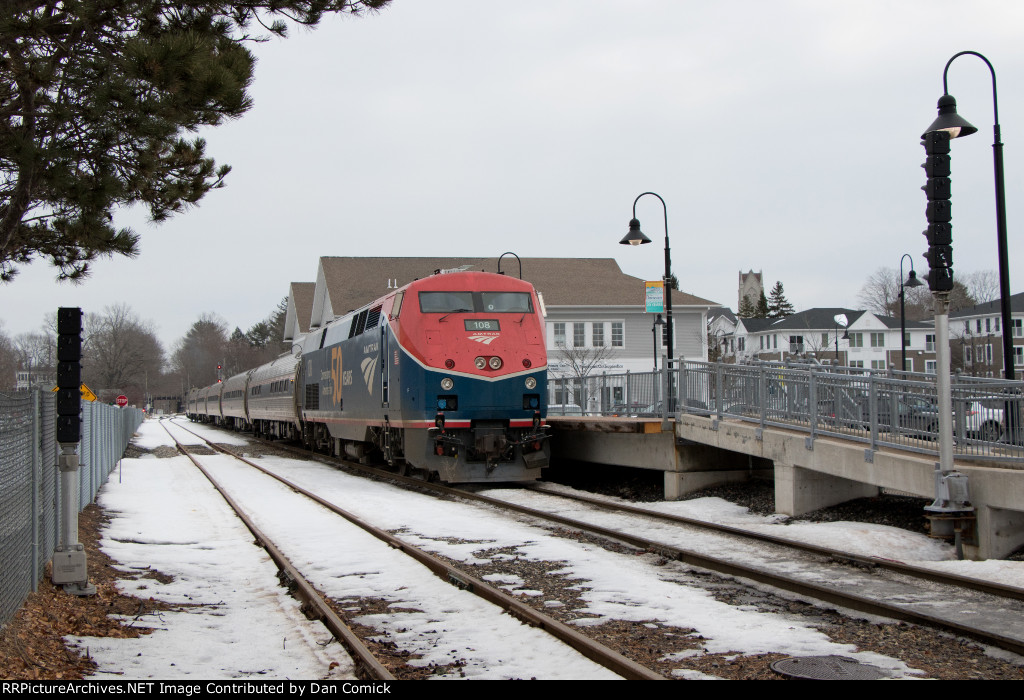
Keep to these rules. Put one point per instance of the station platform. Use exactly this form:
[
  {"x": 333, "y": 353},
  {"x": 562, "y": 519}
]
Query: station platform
[{"x": 695, "y": 452}]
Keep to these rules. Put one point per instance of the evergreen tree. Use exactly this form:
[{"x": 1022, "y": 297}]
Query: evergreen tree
[
  {"x": 761, "y": 310},
  {"x": 778, "y": 305},
  {"x": 747, "y": 308},
  {"x": 96, "y": 97}
]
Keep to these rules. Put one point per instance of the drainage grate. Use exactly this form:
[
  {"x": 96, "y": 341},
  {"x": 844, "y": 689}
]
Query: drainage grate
[{"x": 827, "y": 668}]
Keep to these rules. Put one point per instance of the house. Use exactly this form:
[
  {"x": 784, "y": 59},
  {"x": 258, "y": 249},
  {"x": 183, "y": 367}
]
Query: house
[
  {"x": 976, "y": 338},
  {"x": 866, "y": 340}
]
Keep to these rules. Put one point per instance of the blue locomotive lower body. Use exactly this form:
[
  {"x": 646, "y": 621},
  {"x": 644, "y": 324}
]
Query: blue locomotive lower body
[
  {"x": 363, "y": 397},
  {"x": 477, "y": 429}
]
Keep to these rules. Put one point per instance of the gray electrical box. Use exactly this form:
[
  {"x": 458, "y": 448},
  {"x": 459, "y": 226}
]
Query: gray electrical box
[{"x": 69, "y": 567}]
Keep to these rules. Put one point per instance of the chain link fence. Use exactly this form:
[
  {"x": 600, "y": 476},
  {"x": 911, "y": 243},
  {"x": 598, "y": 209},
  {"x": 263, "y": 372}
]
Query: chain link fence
[{"x": 30, "y": 481}]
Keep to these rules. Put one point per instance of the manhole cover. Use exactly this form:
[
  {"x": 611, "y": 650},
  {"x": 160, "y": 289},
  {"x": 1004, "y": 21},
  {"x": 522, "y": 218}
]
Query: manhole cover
[{"x": 827, "y": 668}]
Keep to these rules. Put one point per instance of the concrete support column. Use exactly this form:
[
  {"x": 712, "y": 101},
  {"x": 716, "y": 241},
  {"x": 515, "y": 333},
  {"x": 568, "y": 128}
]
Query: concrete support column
[
  {"x": 1000, "y": 532},
  {"x": 702, "y": 466},
  {"x": 799, "y": 490}
]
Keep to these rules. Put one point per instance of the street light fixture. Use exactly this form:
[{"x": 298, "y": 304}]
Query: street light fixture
[
  {"x": 637, "y": 237},
  {"x": 912, "y": 281}
]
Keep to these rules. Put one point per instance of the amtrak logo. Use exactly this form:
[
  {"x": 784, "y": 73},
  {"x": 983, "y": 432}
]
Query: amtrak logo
[
  {"x": 485, "y": 339},
  {"x": 368, "y": 366}
]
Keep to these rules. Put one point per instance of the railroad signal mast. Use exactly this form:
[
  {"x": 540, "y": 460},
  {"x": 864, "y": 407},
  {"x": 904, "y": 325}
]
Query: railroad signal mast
[{"x": 70, "y": 568}]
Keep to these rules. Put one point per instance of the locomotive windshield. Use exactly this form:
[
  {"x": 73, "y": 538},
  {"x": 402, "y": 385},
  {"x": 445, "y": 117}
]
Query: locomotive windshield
[{"x": 465, "y": 302}]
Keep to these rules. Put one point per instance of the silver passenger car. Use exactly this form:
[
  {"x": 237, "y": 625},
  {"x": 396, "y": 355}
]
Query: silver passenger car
[{"x": 272, "y": 407}]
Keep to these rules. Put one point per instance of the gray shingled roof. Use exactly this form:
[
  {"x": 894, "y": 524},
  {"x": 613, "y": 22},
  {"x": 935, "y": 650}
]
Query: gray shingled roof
[
  {"x": 302, "y": 296},
  {"x": 992, "y": 307},
  {"x": 352, "y": 282}
]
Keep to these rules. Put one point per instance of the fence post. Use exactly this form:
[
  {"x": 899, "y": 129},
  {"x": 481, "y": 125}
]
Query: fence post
[
  {"x": 812, "y": 399},
  {"x": 873, "y": 410},
  {"x": 36, "y": 484}
]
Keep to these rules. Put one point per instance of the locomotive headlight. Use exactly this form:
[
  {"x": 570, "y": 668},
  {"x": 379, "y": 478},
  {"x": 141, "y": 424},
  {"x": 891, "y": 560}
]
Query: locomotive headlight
[
  {"x": 480, "y": 362},
  {"x": 531, "y": 383},
  {"x": 495, "y": 362},
  {"x": 447, "y": 384}
]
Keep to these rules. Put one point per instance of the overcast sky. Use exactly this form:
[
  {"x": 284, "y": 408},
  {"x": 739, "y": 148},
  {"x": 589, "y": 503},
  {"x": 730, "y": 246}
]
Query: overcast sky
[{"x": 784, "y": 136}]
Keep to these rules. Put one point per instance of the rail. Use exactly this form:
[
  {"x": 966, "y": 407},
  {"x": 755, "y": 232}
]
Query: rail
[{"x": 877, "y": 407}]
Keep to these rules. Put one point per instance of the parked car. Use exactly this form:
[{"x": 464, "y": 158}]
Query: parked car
[
  {"x": 631, "y": 410},
  {"x": 564, "y": 409},
  {"x": 983, "y": 421},
  {"x": 654, "y": 409},
  {"x": 915, "y": 414}
]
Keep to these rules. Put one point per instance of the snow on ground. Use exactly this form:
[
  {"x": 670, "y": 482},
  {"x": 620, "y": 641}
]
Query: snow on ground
[{"x": 166, "y": 517}]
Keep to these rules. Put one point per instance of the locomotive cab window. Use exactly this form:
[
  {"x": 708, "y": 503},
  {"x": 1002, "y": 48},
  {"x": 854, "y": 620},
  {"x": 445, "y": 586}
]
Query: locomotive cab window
[
  {"x": 477, "y": 302},
  {"x": 511, "y": 302},
  {"x": 445, "y": 302}
]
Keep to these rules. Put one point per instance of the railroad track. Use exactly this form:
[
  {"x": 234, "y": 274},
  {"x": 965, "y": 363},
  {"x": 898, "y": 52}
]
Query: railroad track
[{"x": 588, "y": 647}]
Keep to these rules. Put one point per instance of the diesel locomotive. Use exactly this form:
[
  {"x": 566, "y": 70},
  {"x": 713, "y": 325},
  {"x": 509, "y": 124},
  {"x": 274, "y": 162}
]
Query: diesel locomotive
[{"x": 446, "y": 375}]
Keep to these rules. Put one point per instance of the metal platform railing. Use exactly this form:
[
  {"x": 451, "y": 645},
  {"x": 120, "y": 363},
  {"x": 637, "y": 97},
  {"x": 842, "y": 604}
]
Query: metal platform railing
[{"x": 875, "y": 407}]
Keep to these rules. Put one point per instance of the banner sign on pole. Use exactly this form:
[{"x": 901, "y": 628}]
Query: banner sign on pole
[{"x": 655, "y": 297}]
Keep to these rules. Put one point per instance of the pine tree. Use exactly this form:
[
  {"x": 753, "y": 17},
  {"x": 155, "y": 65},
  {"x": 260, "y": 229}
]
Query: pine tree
[
  {"x": 778, "y": 305},
  {"x": 747, "y": 308},
  {"x": 761, "y": 310},
  {"x": 96, "y": 98}
]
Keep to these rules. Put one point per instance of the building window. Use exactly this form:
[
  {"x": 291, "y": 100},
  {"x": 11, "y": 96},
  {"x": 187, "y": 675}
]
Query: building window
[
  {"x": 929, "y": 343},
  {"x": 931, "y": 366},
  {"x": 741, "y": 343},
  {"x": 1018, "y": 327},
  {"x": 967, "y": 355},
  {"x": 857, "y": 363},
  {"x": 988, "y": 353},
  {"x": 906, "y": 339},
  {"x": 559, "y": 335},
  {"x": 978, "y": 325},
  {"x": 618, "y": 339},
  {"x": 857, "y": 341},
  {"x": 796, "y": 343},
  {"x": 578, "y": 338},
  {"x": 761, "y": 338},
  {"x": 775, "y": 342},
  {"x": 1018, "y": 355},
  {"x": 598, "y": 335},
  {"x": 995, "y": 324},
  {"x": 988, "y": 325},
  {"x": 824, "y": 340},
  {"x": 878, "y": 364},
  {"x": 878, "y": 340},
  {"x": 908, "y": 366}
]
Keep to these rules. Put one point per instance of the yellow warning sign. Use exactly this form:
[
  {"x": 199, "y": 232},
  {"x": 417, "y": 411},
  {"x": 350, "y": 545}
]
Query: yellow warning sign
[{"x": 86, "y": 392}]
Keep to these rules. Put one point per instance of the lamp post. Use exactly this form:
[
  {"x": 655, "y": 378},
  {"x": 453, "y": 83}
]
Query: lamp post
[
  {"x": 637, "y": 237},
  {"x": 912, "y": 281},
  {"x": 949, "y": 121},
  {"x": 658, "y": 323},
  {"x": 840, "y": 320}
]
